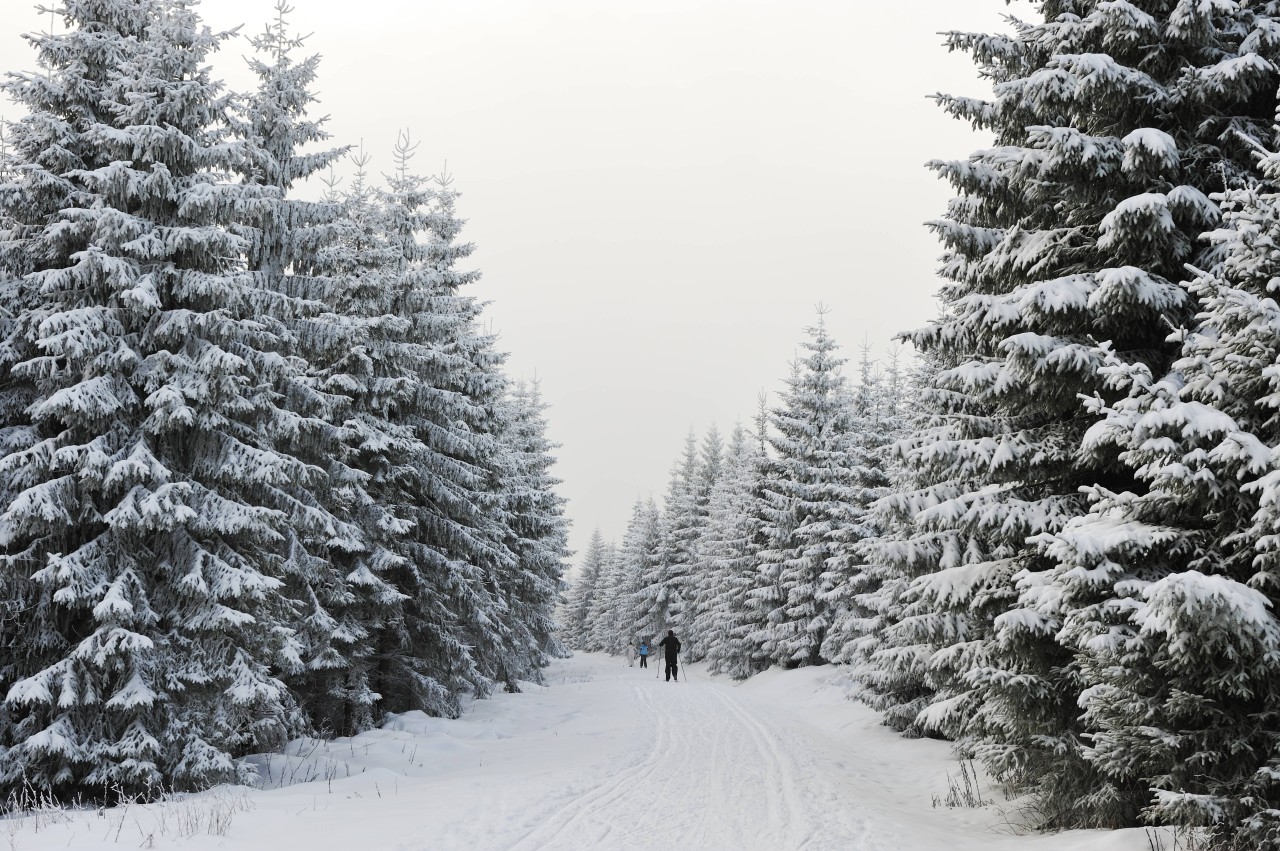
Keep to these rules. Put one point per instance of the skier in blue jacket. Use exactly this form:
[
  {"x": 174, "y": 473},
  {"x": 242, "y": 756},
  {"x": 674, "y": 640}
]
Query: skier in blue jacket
[{"x": 644, "y": 655}]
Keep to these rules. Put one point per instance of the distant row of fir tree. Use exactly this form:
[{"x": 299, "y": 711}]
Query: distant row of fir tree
[
  {"x": 751, "y": 558},
  {"x": 1069, "y": 563},
  {"x": 261, "y": 474}
]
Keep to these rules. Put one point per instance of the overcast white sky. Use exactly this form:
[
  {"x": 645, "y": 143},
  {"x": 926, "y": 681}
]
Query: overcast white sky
[{"x": 661, "y": 191}]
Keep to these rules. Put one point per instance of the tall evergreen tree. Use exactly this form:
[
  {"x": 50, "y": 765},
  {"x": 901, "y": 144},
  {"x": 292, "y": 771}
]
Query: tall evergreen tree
[
  {"x": 890, "y": 661},
  {"x": 285, "y": 236},
  {"x": 1182, "y": 661},
  {"x": 684, "y": 510},
  {"x": 711, "y": 463},
  {"x": 728, "y": 554},
  {"x": 142, "y": 500},
  {"x": 463, "y": 428},
  {"x": 359, "y": 375},
  {"x": 21, "y": 212},
  {"x": 435, "y": 384},
  {"x": 539, "y": 530},
  {"x": 809, "y": 487},
  {"x": 611, "y": 611},
  {"x": 580, "y": 603},
  {"x": 1113, "y": 122},
  {"x": 643, "y": 594},
  {"x": 850, "y": 578}
]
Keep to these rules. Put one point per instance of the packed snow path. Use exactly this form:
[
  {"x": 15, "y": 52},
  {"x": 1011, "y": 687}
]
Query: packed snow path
[
  {"x": 605, "y": 757},
  {"x": 702, "y": 769}
]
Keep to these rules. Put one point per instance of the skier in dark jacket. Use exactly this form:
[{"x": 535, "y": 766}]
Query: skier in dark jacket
[{"x": 672, "y": 645}]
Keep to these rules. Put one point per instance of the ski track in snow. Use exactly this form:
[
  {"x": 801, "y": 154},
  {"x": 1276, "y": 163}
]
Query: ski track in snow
[
  {"x": 592, "y": 812},
  {"x": 714, "y": 777},
  {"x": 608, "y": 758}
]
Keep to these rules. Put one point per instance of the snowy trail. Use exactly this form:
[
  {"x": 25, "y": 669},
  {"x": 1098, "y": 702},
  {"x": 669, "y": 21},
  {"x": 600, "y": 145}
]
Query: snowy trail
[
  {"x": 607, "y": 757},
  {"x": 711, "y": 775}
]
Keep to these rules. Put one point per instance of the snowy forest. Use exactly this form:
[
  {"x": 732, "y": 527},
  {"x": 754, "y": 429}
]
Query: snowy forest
[
  {"x": 261, "y": 472},
  {"x": 1052, "y": 535},
  {"x": 264, "y": 474}
]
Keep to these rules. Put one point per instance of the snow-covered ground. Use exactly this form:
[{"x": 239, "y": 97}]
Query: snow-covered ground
[{"x": 605, "y": 757}]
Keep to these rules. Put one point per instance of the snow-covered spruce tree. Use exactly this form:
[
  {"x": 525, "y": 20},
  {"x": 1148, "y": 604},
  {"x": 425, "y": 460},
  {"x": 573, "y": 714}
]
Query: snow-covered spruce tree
[
  {"x": 433, "y": 386},
  {"x": 811, "y": 496},
  {"x": 624, "y": 586},
  {"x": 711, "y": 465},
  {"x": 610, "y": 609},
  {"x": 581, "y": 597},
  {"x": 538, "y": 530},
  {"x": 1183, "y": 658},
  {"x": 728, "y": 552},
  {"x": 327, "y": 549},
  {"x": 138, "y": 505},
  {"x": 469, "y": 391},
  {"x": 25, "y": 207},
  {"x": 890, "y": 662},
  {"x": 750, "y": 653},
  {"x": 642, "y": 590},
  {"x": 710, "y": 469},
  {"x": 373, "y": 477},
  {"x": 21, "y": 214},
  {"x": 874, "y": 426},
  {"x": 417, "y": 506},
  {"x": 766, "y": 598},
  {"x": 684, "y": 510},
  {"x": 1112, "y": 122}
]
